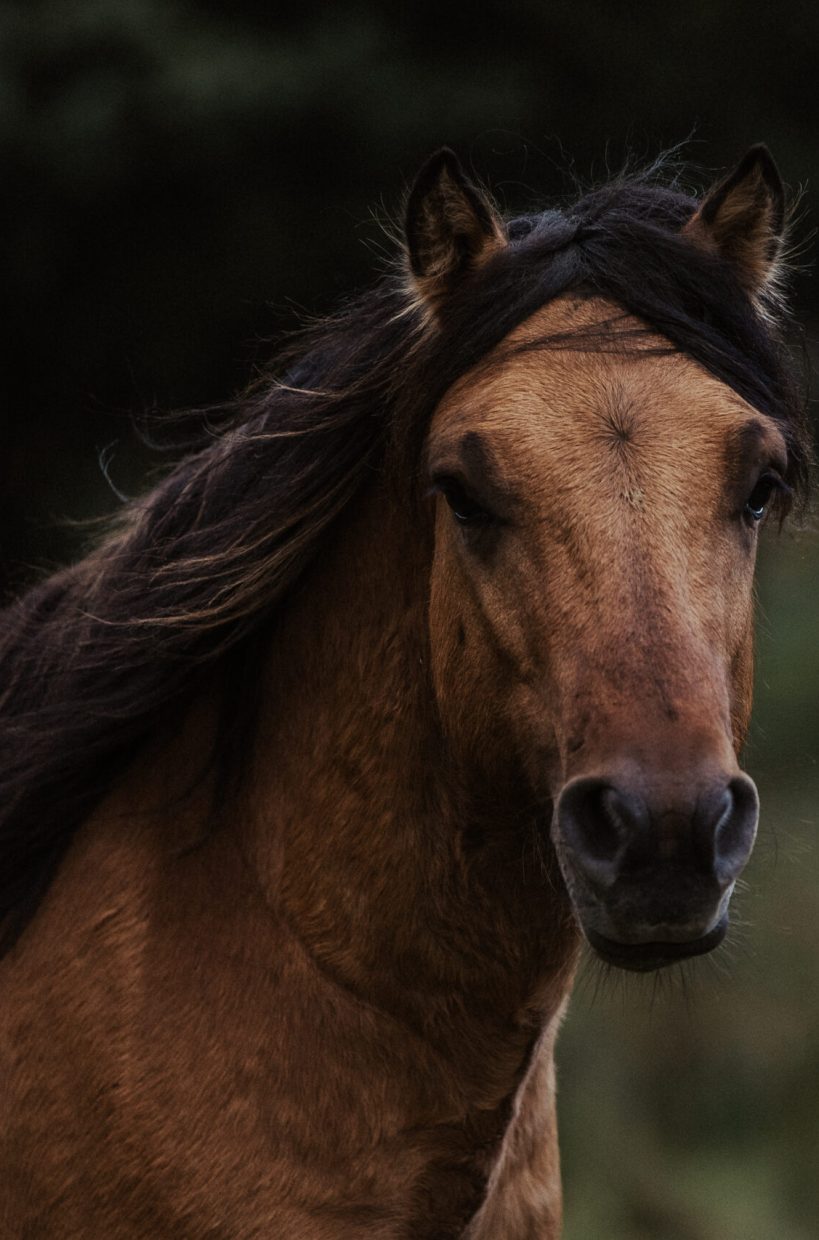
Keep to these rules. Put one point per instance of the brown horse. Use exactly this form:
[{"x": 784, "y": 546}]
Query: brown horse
[{"x": 432, "y": 660}]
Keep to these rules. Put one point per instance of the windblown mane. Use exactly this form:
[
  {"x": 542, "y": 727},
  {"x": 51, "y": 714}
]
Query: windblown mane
[{"x": 187, "y": 583}]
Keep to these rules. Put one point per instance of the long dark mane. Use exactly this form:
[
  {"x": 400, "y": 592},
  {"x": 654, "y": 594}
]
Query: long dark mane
[{"x": 193, "y": 574}]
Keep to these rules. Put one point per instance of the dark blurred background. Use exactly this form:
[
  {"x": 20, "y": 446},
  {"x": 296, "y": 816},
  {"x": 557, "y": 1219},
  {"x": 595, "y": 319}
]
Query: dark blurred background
[{"x": 182, "y": 181}]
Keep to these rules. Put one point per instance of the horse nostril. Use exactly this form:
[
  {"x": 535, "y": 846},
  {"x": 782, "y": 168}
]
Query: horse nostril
[
  {"x": 724, "y": 829},
  {"x": 713, "y": 810},
  {"x": 598, "y": 822},
  {"x": 734, "y": 831}
]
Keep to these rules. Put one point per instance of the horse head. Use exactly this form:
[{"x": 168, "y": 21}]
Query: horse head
[{"x": 599, "y": 497}]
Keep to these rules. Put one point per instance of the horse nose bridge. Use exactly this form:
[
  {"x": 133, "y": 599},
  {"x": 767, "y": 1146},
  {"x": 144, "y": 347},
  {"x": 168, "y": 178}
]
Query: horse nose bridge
[
  {"x": 663, "y": 687},
  {"x": 654, "y": 744}
]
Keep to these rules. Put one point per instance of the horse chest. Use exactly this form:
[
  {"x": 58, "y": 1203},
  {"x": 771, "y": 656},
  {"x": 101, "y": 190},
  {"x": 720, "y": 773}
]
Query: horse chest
[{"x": 195, "y": 1128}]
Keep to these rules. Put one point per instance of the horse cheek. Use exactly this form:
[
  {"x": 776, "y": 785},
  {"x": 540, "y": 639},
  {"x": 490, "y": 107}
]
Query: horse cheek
[{"x": 449, "y": 647}]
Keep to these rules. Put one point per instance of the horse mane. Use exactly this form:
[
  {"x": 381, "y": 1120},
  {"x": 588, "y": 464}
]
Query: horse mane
[{"x": 191, "y": 577}]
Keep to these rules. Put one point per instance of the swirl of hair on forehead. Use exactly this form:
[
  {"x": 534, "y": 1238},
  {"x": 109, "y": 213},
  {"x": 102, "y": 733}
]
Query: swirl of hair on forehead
[{"x": 187, "y": 585}]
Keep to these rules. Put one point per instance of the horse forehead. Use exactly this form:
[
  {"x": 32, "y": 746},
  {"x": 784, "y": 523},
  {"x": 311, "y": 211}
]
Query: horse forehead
[{"x": 542, "y": 391}]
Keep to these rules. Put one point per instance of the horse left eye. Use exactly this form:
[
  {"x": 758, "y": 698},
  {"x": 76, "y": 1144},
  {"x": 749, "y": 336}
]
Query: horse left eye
[{"x": 759, "y": 498}]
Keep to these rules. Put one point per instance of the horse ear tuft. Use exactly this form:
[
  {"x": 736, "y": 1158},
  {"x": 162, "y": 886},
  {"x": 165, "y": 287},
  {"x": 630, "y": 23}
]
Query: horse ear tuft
[
  {"x": 743, "y": 219},
  {"x": 451, "y": 227}
]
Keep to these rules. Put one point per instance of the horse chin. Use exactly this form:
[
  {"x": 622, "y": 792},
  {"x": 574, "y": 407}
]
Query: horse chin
[{"x": 648, "y": 956}]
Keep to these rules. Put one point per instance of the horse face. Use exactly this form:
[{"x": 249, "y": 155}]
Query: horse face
[{"x": 591, "y": 616}]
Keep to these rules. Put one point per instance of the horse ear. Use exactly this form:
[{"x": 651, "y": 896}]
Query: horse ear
[
  {"x": 743, "y": 219},
  {"x": 451, "y": 228}
]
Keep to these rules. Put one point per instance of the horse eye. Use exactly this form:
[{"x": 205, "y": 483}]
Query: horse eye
[
  {"x": 465, "y": 509},
  {"x": 760, "y": 496}
]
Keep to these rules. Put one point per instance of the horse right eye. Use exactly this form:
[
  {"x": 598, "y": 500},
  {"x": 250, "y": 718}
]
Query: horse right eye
[{"x": 464, "y": 508}]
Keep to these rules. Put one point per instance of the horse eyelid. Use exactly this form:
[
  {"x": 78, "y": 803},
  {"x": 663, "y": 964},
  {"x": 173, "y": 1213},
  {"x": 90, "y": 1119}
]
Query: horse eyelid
[
  {"x": 449, "y": 484},
  {"x": 443, "y": 482},
  {"x": 779, "y": 487}
]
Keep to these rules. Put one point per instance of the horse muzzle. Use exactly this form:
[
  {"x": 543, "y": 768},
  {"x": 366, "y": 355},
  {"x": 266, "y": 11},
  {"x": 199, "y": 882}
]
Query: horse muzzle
[{"x": 651, "y": 868}]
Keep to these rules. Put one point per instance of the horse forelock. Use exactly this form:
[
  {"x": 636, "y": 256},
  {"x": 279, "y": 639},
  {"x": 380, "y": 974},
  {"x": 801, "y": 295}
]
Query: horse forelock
[{"x": 199, "y": 568}]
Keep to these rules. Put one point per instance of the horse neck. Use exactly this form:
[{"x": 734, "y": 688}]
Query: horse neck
[{"x": 358, "y": 822}]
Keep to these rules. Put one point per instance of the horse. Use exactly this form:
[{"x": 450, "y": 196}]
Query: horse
[{"x": 427, "y": 664}]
